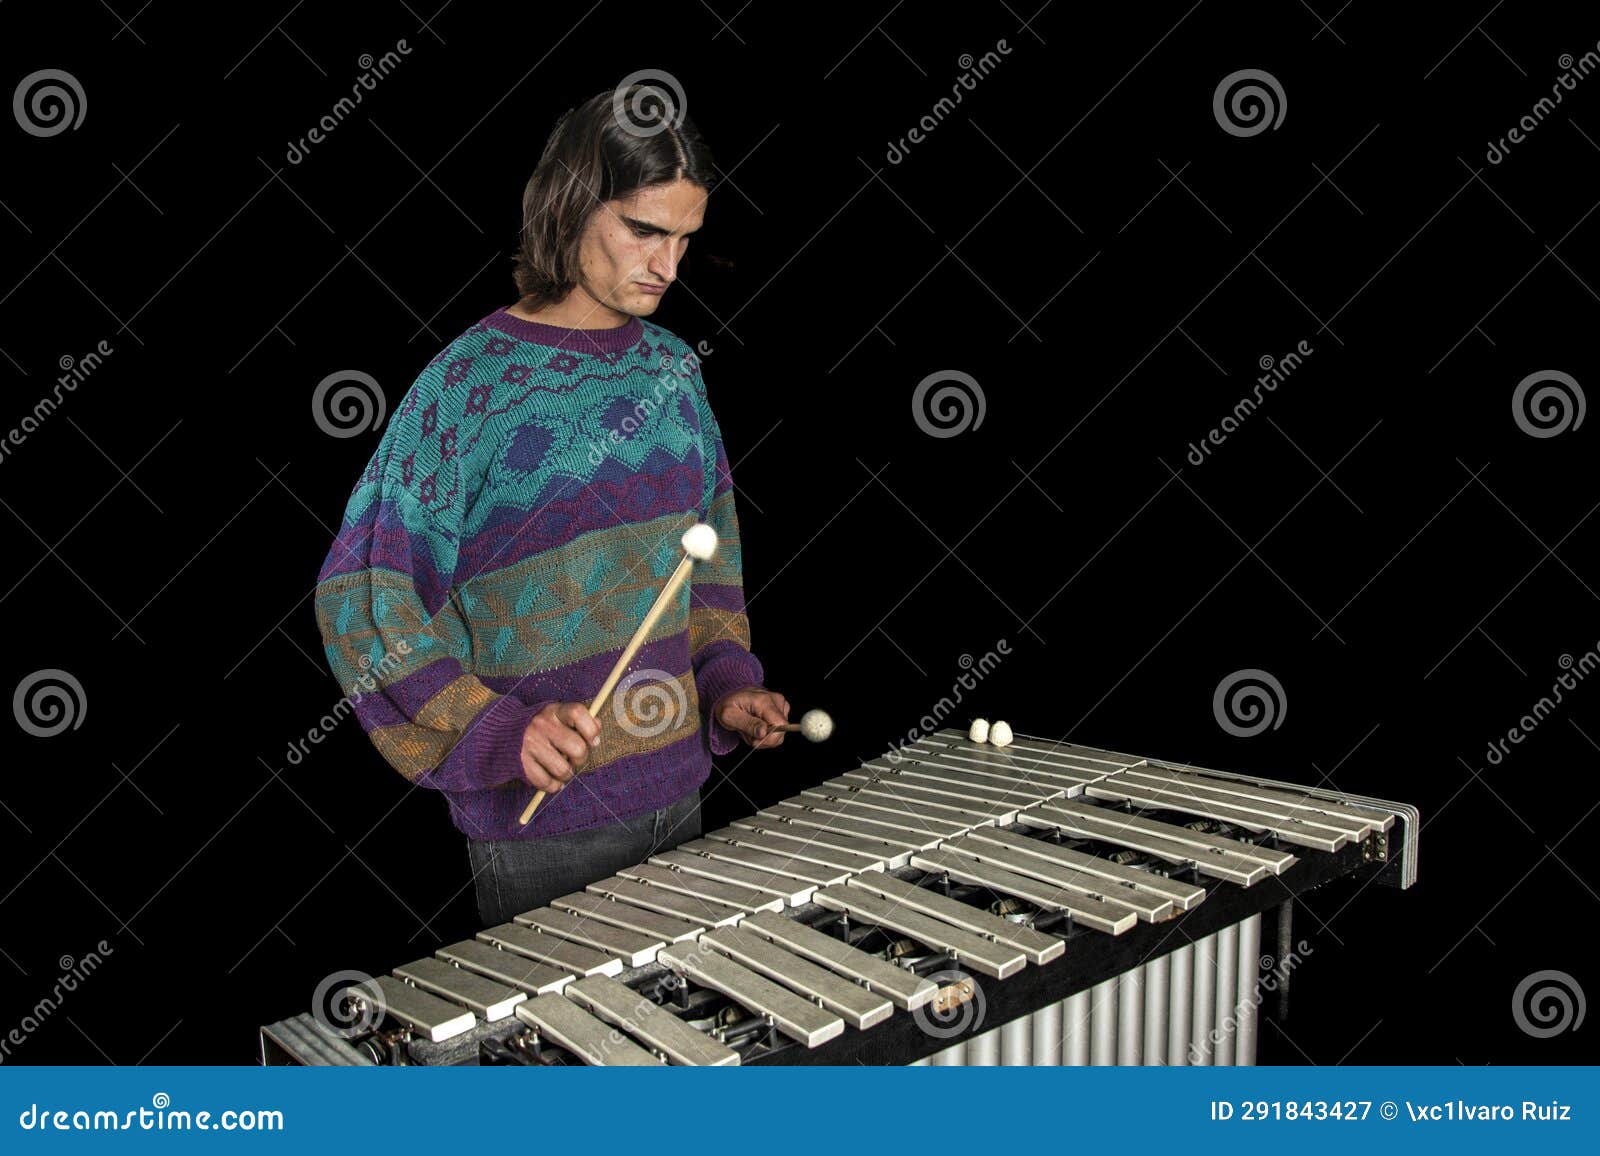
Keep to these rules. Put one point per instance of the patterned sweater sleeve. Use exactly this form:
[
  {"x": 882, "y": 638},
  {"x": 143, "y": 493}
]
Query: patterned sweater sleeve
[
  {"x": 391, "y": 628},
  {"x": 719, "y": 630}
]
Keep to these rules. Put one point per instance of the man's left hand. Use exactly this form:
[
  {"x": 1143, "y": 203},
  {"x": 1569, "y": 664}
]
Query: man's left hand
[{"x": 754, "y": 713}]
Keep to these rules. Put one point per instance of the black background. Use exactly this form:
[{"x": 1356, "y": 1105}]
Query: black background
[{"x": 1381, "y": 535}]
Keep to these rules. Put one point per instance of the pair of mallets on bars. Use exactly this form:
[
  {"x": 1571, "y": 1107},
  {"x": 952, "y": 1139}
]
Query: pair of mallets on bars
[{"x": 699, "y": 544}]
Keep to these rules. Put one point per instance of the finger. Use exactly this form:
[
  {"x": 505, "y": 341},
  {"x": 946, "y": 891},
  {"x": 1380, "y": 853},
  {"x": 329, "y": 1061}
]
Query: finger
[
  {"x": 533, "y": 771},
  {"x": 580, "y": 720},
  {"x": 568, "y": 742},
  {"x": 553, "y": 761},
  {"x": 770, "y": 712}
]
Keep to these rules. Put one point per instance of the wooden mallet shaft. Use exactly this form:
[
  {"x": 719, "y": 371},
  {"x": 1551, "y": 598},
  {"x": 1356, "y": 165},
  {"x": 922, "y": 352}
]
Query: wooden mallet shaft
[{"x": 693, "y": 549}]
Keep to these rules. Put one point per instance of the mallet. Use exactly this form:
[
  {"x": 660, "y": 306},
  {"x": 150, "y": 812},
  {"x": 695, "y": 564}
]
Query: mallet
[
  {"x": 816, "y": 725},
  {"x": 699, "y": 544}
]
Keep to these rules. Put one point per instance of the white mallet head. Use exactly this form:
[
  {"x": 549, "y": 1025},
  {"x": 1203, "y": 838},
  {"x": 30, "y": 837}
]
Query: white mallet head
[
  {"x": 979, "y": 733},
  {"x": 816, "y": 725},
  {"x": 1000, "y": 734},
  {"x": 700, "y": 542}
]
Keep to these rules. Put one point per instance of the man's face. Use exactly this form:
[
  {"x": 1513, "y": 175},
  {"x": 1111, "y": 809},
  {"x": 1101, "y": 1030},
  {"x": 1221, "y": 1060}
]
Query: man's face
[{"x": 631, "y": 247}]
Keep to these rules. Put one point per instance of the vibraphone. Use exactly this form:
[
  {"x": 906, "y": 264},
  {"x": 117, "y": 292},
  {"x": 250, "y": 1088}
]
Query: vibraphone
[{"x": 949, "y": 903}]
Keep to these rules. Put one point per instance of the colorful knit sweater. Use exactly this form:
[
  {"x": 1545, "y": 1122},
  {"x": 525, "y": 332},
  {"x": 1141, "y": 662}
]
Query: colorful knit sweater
[{"x": 518, "y": 518}]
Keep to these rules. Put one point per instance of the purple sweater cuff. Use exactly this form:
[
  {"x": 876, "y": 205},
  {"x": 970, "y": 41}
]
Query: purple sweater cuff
[
  {"x": 722, "y": 675},
  {"x": 494, "y": 742}
]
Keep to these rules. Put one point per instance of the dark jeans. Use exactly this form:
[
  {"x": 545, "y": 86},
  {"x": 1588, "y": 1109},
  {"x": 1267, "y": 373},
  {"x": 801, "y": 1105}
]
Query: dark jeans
[{"x": 517, "y": 875}]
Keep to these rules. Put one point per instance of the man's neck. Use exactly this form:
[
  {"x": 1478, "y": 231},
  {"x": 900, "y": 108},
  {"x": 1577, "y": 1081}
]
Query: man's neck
[{"x": 578, "y": 311}]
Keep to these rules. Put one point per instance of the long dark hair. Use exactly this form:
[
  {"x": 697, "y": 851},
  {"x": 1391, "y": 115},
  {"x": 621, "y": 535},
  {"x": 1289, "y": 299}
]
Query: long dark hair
[{"x": 607, "y": 148}]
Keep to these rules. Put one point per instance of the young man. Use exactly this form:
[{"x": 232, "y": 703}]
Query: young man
[{"x": 518, "y": 517}]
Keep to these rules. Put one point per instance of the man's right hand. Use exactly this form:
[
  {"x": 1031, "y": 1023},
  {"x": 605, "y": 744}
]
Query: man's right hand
[{"x": 557, "y": 744}]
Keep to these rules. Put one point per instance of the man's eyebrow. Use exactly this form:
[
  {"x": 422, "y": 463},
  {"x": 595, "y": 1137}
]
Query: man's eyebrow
[{"x": 651, "y": 227}]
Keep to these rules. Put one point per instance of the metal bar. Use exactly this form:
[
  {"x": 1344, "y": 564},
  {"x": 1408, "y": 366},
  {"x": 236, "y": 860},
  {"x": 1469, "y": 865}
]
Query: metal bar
[
  {"x": 514, "y": 970},
  {"x": 649, "y": 1023},
  {"x": 559, "y": 1019},
  {"x": 805, "y": 850},
  {"x": 1089, "y": 910},
  {"x": 547, "y": 949},
  {"x": 488, "y": 1000},
  {"x": 1298, "y": 831},
  {"x": 423, "y": 1011},
  {"x": 1276, "y": 861},
  {"x": 997, "y": 764},
  {"x": 668, "y": 928},
  {"x": 1073, "y": 868},
  {"x": 792, "y": 891},
  {"x": 914, "y": 801},
  {"x": 853, "y": 1003},
  {"x": 958, "y": 784},
  {"x": 891, "y": 855},
  {"x": 1037, "y": 946},
  {"x": 812, "y": 873},
  {"x": 1121, "y": 831},
  {"x": 667, "y": 902},
  {"x": 931, "y": 792},
  {"x": 922, "y": 827},
  {"x": 992, "y": 959},
  {"x": 1370, "y": 819},
  {"x": 955, "y": 1056},
  {"x": 895, "y": 836},
  {"x": 631, "y": 947},
  {"x": 797, "y": 1018},
  {"x": 744, "y": 898},
  {"x": 906, "y": 989}
]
